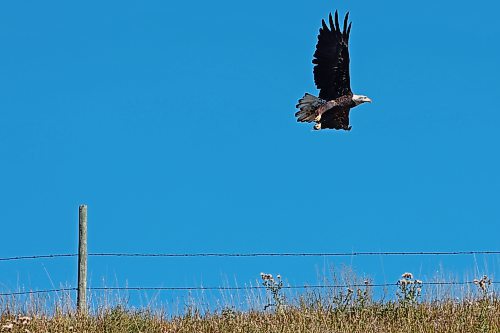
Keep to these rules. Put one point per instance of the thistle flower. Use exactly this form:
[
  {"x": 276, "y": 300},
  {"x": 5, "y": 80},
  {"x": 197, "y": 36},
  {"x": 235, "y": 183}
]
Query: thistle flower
[
  {"x": 483, "y": 282},
  {"x": 403, "y": 282},
  {"x": 265, "y": 276}
]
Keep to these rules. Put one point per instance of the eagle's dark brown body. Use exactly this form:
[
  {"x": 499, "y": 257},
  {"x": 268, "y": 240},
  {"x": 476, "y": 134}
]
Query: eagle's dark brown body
[
  {"x": 335, "y": 114},
  {"x": 331, "y": 75}
]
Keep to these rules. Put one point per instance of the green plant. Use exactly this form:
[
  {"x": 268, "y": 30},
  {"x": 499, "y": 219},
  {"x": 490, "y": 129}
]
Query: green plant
[
  {"x": 274, "y": 288},
  {"x": 409, "y": 289},
  {"x": 363, "y": 295},
  {"x": 483, "y": 286}
]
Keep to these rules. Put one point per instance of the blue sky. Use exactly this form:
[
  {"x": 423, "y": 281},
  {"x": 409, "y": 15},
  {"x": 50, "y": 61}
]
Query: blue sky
[{"x": 174, "y": 122}]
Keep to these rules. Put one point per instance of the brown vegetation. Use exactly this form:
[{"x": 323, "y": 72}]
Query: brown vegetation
[{"x": 337, "y": 310}]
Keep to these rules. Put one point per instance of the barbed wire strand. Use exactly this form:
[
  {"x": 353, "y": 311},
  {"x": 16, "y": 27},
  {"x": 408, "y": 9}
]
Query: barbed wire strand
[
  {"x": 30, "y": 292},
  {"x": 439, "y": 283},
  {"x": 326, "y": 254},
  {"x": 43, "y": 256}
]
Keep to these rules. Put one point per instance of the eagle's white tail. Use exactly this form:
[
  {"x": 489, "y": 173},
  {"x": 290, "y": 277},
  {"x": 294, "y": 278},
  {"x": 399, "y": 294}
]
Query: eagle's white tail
[{"x": 308, "y": 106}]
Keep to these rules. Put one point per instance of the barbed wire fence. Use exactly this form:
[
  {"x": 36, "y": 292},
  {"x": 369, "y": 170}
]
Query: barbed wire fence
[
  {"x": 289, "y": 254},
  {"x": 82, "y": 267},
  {"x": 222, "y": 288}
]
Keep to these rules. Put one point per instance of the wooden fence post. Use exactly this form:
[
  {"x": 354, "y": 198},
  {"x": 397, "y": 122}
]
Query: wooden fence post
[{"x": 81, "y": 302}]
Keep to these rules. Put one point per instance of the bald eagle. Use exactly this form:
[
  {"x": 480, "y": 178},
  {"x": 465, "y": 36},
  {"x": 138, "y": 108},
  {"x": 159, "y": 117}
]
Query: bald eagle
[{"x": 331, "y": 76}]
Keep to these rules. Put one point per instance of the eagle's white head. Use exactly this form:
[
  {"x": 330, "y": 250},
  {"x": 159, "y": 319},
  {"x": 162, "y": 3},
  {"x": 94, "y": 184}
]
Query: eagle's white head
[{"x": 360, "y": 99}]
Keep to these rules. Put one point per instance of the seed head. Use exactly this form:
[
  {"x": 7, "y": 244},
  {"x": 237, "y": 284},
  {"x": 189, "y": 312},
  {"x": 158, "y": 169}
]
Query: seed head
[
  {"x": 266, "y": 277},
  {"x": 403, "y": 282}
]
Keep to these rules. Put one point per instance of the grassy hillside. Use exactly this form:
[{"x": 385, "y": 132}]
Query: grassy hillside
[
  {"x": 336, "y": 310},
  {"x": 478, "y": 316}
]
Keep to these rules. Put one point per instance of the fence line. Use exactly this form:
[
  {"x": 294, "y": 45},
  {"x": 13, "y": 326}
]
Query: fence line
[
  {"x": 82, "y": 256},
  {"x": 376, "y": 285},
  {"x": 262, "y": 254}
]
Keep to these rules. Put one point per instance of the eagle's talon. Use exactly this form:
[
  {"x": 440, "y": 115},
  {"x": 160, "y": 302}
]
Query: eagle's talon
[{"x": 318, "y": 118}]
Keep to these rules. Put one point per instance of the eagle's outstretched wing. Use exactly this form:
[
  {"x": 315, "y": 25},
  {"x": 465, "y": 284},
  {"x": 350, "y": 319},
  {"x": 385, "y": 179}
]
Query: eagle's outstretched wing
[{"x": 331, "y": 59}]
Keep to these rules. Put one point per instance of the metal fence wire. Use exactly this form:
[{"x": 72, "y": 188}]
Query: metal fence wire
[
  {"x": 83, "y": 254},
  {"x": 327, "y": 286},
  {"x": 261, "y": 254},
  {"x": 242, "y": 255}
]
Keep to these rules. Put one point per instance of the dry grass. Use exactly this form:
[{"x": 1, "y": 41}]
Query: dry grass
[
  {"x": 477, "y": 316},
  {"x": 338, "y": 310}
]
